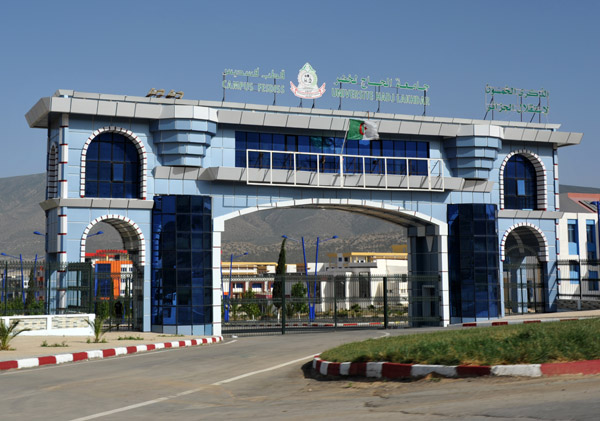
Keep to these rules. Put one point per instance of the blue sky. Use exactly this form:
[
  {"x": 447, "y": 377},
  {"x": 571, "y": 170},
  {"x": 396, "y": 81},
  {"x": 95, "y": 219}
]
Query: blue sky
[{"x": 456, "y": 47}]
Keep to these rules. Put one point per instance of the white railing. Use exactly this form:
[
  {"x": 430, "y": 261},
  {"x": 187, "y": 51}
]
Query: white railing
[{"x": 308, "y": 169}]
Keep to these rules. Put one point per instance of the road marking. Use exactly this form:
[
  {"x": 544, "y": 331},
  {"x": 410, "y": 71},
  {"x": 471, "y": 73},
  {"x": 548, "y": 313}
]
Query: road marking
[
  {"x": 187, "y": 392},
  {"x": 252, "y": 373}
]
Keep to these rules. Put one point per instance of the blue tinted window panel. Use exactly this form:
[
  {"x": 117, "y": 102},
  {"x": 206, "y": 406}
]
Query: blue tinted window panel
[
  {"x": 118, "y": 190},
  {"x": 184, "y": 315},
  {"x": 105, "y": 151},
  {"x": 197, "y": 296},
  {"x": 118, "y": 152}
]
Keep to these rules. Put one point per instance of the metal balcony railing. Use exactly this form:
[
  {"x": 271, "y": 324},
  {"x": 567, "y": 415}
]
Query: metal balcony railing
[{"x": 307, "y": 169}]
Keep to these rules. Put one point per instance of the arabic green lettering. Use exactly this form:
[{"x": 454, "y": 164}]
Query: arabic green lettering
[
  {"x": 491, "y": 107},
  {"x": 426, "y": 87},
  {"x": 363, "y": 83},
  {"x": 546, "y": 109},
  {"x": 488, "y": 90}
]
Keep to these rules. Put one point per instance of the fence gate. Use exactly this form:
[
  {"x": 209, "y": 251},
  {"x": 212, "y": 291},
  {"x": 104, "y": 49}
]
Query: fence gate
[{"x": 269, "y": 305}]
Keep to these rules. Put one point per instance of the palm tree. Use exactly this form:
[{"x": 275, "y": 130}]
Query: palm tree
[{"x": 9, "y": 332}]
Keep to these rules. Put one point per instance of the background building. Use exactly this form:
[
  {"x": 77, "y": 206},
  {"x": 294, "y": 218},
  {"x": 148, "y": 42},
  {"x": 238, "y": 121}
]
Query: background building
[{"x": 578, "y": 263}]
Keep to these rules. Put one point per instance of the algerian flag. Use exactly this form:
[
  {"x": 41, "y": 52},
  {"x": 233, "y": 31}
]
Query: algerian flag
[{"x": 363, "y": 130}]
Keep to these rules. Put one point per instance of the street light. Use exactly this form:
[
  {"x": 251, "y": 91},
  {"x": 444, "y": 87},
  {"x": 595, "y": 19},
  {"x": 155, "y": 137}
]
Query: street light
[
  {"x": 22, "y": 277},
  {"x": 230, "y": 290},
  {"x": 303, "y": 251},
  {"x": 311, "y": 305}
]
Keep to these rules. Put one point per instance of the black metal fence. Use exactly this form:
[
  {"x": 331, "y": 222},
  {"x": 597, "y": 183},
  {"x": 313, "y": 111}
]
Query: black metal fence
[
  {"x": 524, "y": 288},
  {"x": 578, "y": 280},
  {"x": 32, "y": 288},
  {"x": 263, "y": 305}
]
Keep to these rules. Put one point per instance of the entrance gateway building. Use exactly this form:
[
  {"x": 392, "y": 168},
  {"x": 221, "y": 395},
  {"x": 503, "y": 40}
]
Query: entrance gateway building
[{"x": 479, "y": 198}]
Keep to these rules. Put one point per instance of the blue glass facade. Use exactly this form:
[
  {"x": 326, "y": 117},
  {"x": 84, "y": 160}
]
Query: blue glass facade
[
  {"x": 112, "y": 167},
  {"x": 181, "y": 264},
  {"x": 520, "y": 188},
  {"x": 473, "y": 261},
  {"x": 331, "y": 145}
]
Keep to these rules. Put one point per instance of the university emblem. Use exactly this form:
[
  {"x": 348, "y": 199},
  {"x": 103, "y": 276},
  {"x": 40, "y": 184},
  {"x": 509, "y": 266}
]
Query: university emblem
[{"x": 307, "y": 84}]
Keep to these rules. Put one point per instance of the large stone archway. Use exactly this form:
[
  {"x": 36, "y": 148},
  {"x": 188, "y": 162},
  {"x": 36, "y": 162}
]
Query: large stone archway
[{"x": 428, "y": 245}]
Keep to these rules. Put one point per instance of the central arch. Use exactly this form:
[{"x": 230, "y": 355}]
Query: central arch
[{"x": 427, "y": 238}]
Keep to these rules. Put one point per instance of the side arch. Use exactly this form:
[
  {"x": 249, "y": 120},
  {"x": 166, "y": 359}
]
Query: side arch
[
  {"x": 537, "y": 232},
  {"x": 540, "y": 172},
  {"x": 132, "y": 235},
  {"x": 141, "y": 152}
]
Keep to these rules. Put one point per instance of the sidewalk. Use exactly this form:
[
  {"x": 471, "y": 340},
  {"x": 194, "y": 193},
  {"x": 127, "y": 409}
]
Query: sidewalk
[{"x": 28, "y": 347}]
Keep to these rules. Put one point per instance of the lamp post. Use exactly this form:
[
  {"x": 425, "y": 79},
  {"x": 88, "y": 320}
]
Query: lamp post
[
  {"x": 22, "y": 277},
  {"x": 227, "y": 307},
  {"x": 311, "y": 305},
  {"x": 303, "y": 252}
]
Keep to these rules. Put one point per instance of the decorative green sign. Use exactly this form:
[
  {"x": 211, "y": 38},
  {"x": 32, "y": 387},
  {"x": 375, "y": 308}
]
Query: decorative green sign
[
  {"x": 267, "y": 88},
  {"x": 378, "y": 95},
  {"x": 542, "y": 93},
  {"x": 520, "y": 96},
  {"x": 365, "y": 82},
  {"x": 308, "y": 89}
]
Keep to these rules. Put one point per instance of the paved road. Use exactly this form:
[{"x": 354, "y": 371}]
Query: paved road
[{"x": 261, "y": 377}]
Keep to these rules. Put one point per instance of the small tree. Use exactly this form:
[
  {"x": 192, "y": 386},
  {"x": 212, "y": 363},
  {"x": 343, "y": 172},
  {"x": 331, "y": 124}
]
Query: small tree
[
  {"x": 98, "y": 327},
  {"x": 250, "y": 307},
  {"x": 298, "y": 305},
  {"x": 9, "y": 332},
  {"x": 279, "y": 277}
]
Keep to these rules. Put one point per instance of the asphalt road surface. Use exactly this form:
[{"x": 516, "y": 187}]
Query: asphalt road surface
[{"x": 263, "y": 378}]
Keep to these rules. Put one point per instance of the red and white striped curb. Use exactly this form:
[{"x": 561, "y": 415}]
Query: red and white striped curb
[
  {"x": 278, "y": 325},
  {"x": 103, "y": 353},
  {"x": 518, "y": 322},
  {"x": 400, "y": 371}
]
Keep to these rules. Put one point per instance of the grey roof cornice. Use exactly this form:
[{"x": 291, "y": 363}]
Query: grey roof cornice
[{"x": 107, "y": 105}]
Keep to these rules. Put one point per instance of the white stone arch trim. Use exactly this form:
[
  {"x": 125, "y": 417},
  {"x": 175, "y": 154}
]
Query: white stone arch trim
[
  {"x": 539, "y": 234},
  {"x": 541, "y": 177},
  {"x": 443, "y": 226},
  {"x": 138, "y": 144},
  {"x": 52, "y": 172},
  {"x": 131, "y": 233}
]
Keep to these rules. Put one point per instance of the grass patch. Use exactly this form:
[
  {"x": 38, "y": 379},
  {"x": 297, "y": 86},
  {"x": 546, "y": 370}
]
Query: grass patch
[
  {"x": 63, "y": 344},
  {"x": 511, "y": 344},
  {"x": 130, "y": 338},
  {"x": 171, "y": 336}
]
